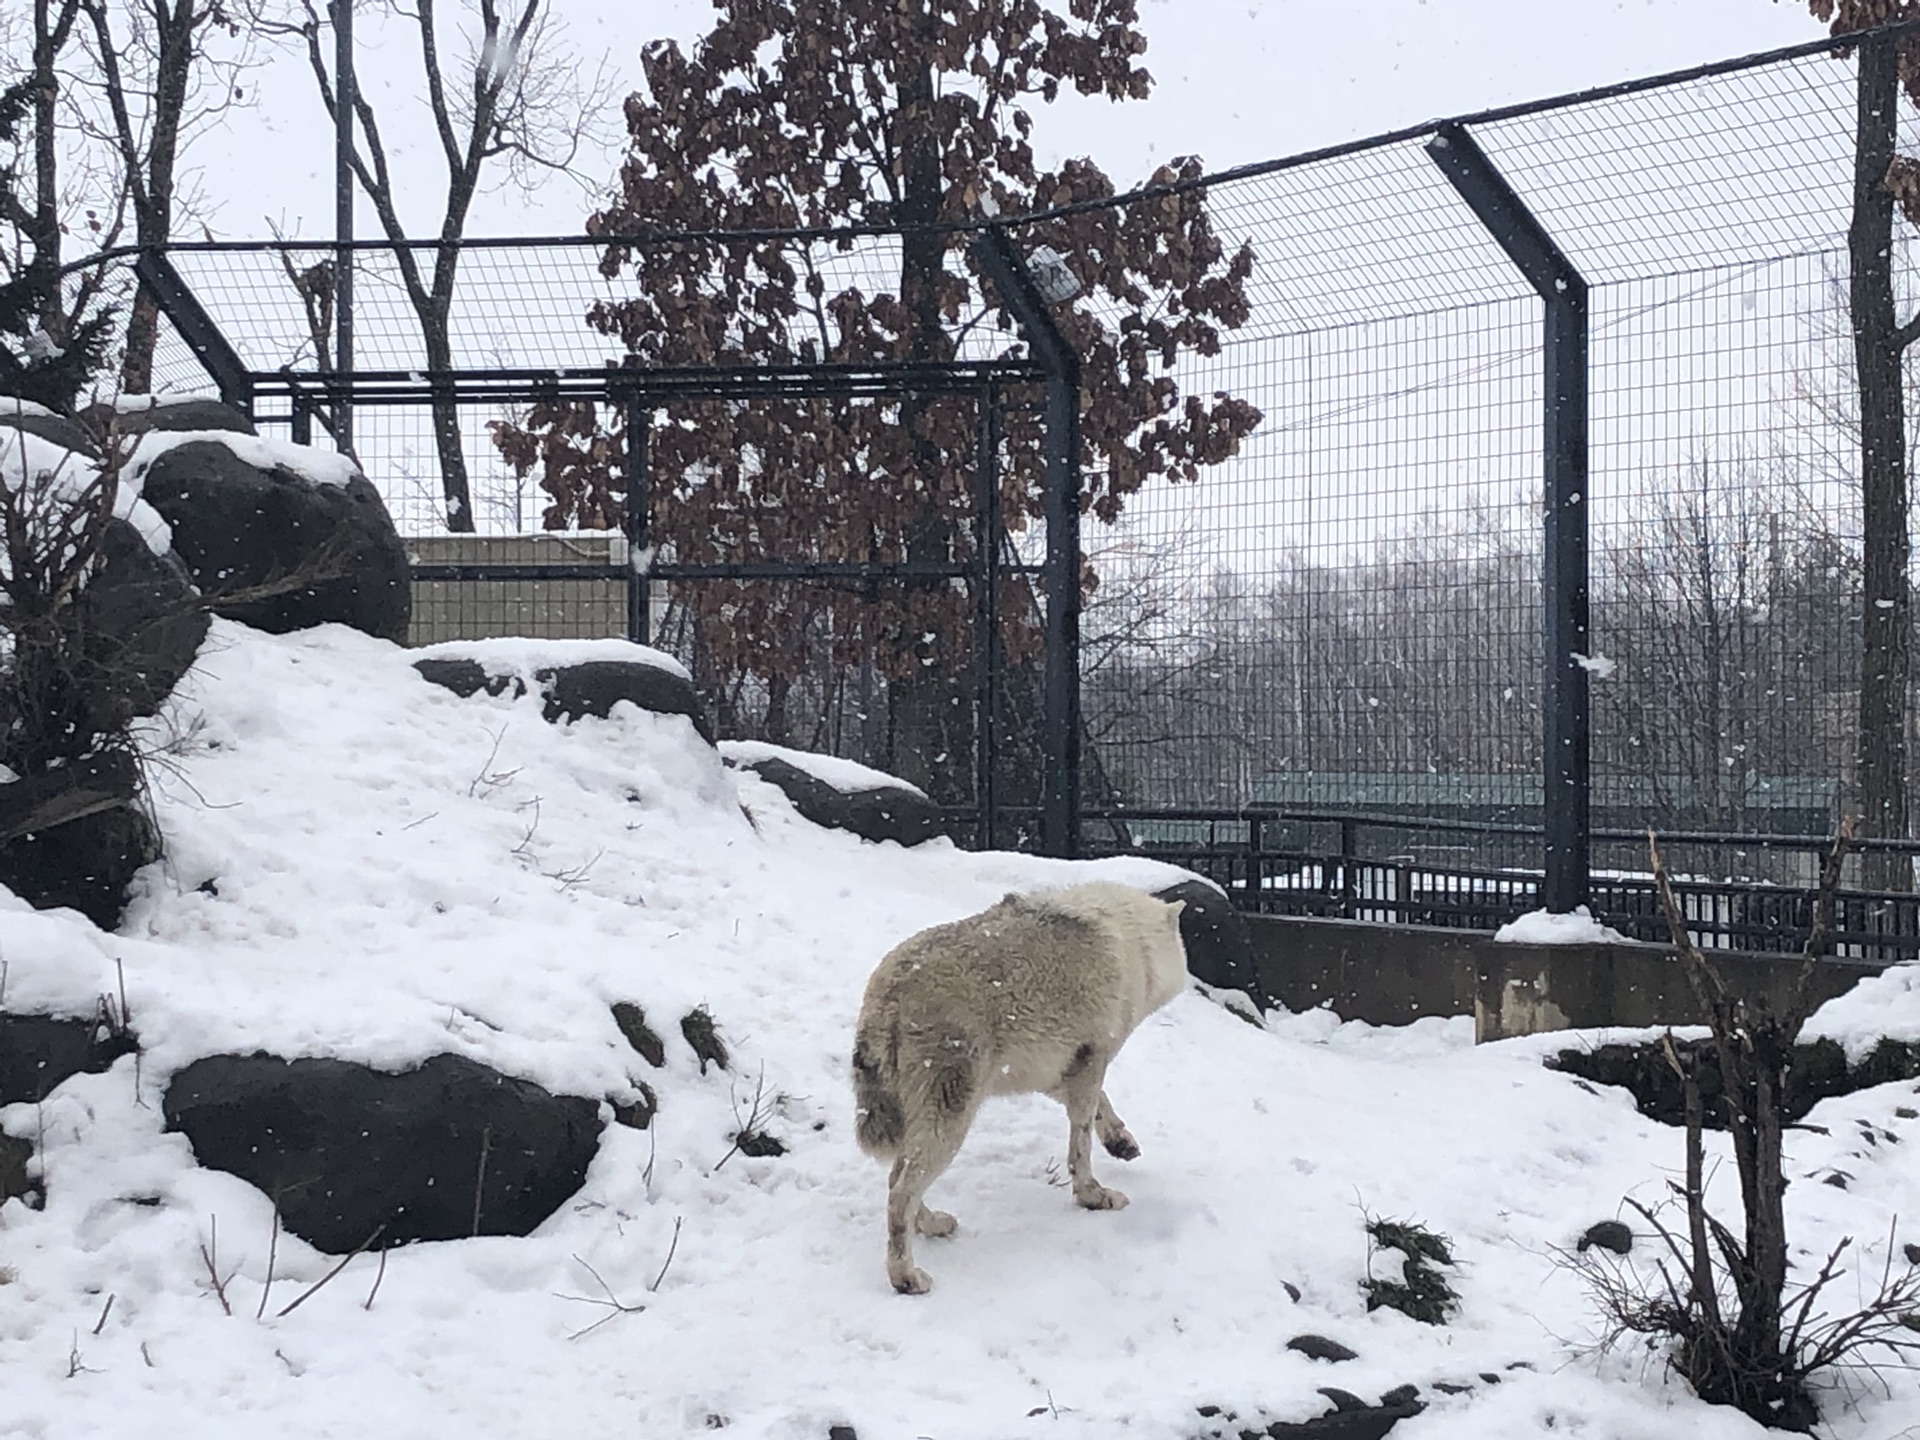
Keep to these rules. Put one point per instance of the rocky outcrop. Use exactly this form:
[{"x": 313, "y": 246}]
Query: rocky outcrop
[
  {"x": 76, "y": 836},
  {"x": 38, "y": 1052},
  {"x": 568, "y": 692},
  {"x": 289, "y": 550},
  {"x": 1219, "y": 947},
  {"x": 1820, "y": 1071},
  {"x": 594, "y": 687},
  {"x": 877, "y": 812},
  {"x": 131, "y": 417},
  {"x": 355, "y": 1156}
]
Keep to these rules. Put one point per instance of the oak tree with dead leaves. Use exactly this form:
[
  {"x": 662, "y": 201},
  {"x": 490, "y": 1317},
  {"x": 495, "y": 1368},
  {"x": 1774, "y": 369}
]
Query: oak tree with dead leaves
[{"x": 913, "y": 116}]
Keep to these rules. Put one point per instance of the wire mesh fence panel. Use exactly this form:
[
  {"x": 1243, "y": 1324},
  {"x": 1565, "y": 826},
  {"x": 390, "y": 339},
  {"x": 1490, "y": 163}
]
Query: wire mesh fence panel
[{"x": 1313, "y": 421}]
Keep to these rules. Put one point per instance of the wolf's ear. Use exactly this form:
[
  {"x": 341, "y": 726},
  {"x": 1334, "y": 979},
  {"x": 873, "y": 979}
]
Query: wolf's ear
[{"x": 1175, "y": 909}]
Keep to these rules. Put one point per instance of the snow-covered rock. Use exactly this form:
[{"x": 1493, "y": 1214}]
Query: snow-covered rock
[
  {"x": 840, "y": 794},
  {"x": 296, "y": 537}
]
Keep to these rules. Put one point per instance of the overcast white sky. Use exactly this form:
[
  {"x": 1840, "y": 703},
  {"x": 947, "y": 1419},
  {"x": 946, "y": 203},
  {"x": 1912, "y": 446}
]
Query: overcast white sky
[{"x": 1236, "y": 81}]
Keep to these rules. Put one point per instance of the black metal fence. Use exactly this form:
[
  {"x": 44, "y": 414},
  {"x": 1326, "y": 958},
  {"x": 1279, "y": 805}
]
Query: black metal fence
[{"x": 1549, "y": 532}]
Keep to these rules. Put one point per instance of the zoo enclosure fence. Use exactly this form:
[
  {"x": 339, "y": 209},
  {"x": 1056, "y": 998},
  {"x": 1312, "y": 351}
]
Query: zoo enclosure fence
[{"x": 1549, "y": 533}]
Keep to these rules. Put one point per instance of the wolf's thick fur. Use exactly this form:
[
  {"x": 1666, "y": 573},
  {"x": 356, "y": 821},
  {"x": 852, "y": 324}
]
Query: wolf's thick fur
[{"x": 1036, "y": 994}]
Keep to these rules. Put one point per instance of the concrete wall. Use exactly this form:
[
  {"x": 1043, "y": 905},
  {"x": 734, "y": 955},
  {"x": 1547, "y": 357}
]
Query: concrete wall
[
  {"x": 1393, "y": 974},
  {"x": 559, "y": 609}
]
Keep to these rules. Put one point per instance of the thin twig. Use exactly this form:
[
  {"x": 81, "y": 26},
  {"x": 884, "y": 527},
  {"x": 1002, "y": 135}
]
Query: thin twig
[
  {"x": 614, "y": 1306},
  {"x": 273, "y": 1246},
  {"x": 210, "y": 1253},
  {"x": 304, "y": 1295},
  {"x": 105, "y": 1310},
  {"x": 669, "y": 1260},
  {"x": 378, "y": 1276}
]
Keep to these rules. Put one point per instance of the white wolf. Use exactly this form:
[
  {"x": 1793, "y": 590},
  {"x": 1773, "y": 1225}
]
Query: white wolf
[{"x": 1036, "y": 994}]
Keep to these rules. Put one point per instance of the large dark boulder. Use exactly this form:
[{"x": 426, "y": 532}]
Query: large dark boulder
[
  {"x": 594, "y": 687},
  {"x": 876, "y": 812},
  {"x": 67, "y": 433},
  {"x": 568, "y": 692},
  {"x": 38, "y": 1052},
  {"x": 467, "y": 678},
  {"x": 355, "y": 1155},
  {"x": 142, "y": 625},
  {"x": 164, "y": 413},
  {"x": 1820, "y": 1072},
  {"x": 75, "y": 836},
  {"x": 1219, "y": 947},
  {"x": 292, "y": 551}
]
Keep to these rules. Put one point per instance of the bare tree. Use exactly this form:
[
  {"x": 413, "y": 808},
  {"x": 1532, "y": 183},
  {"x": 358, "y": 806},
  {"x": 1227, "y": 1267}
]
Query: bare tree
[
  {"x": 515, "y": 100},
  {"x": 52, "y": 336},
  {"x": 1880, "y": 343},
  {"x": 160, "y": 72}
]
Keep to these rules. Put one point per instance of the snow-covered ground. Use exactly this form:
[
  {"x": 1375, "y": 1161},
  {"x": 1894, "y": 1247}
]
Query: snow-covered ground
[{"x": 363, "y": 865}]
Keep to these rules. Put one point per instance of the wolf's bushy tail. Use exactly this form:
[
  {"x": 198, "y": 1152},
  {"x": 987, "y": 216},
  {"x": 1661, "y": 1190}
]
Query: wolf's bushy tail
[{"x": 880, "y": 1121}]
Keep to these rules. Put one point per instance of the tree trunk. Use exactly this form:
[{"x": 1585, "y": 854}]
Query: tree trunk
[
  {"x": 933, "y": 721},
  {"x": 446, "y": 424},
  {"x": 1885, "y": 659},
  {"x": 175, "y": 44}
]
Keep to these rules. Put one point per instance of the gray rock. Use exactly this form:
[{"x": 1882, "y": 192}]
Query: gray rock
[
  {"x": 68, "y": 434},
  {"x": 168, "y": 414},
  {"x": 1608, "y": 1235},
  {"x": 1368, "y": 1422},
  {"x": 594, "y": 687},
  {"x": 638, "y": 1113},
  {"x": 1219, "y": 947},
  {"x": 881, "y": 812},
  {"x": 632, "y": 1021},
  {"x": 141, "y": 624},
  {"x": 240, "y": 527},
  {"x": 85, "y": 863},
  {"x": 467, "y": 678},
  {"x": 1343, "y": 1399},
  {"x": 1318, "y": 1347},
  {"x": 15, "y": 1184},
  {"x": 38, "y": 1052},
  {"x": 357, "y": 1156}
]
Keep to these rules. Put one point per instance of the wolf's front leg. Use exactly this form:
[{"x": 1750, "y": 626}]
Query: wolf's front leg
[{"x": 1114, "y": 1135}]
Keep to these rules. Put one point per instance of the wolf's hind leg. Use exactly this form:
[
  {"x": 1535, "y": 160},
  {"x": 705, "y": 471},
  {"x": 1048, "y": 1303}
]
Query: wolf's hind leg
[
  {"x": 934, "y": 1223},
  {"x": 927, "y": 1152},
  {"x": 1080, "y": 1093},
  {"x": 1114, "y": 1135}
]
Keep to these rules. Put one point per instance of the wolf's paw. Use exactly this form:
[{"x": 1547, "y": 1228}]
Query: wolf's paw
[
  {"x": 1099, "y": 1197},
  {"x": 1121, "y": 1146},
  {"x": 910, "y": 1280},
  {"x": 936, "y": 1223}
]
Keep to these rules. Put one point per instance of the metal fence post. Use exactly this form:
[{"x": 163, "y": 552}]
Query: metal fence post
[
  {"x": 987, "y": 616},
  {"x": 1564, "y": 700},
  {"x": 346, "y": 91},
  {"x": 210, "y": 347},
  {"x": 639, "y": 419},
  {"x": 1060, "y": 712}
]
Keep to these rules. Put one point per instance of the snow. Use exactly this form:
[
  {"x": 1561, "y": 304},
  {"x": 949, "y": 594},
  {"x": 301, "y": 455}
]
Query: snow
[
  {"x": 361, "y": 864},
  {"x": 63, "y": 476},
  {"x": 13, "y": 405},
  {"x": 1882, "y": 1007},
  {"x": 848, "y": 776},
  {"x": 316, "y": 467},
  {"x": 1543, "y": 927}
]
